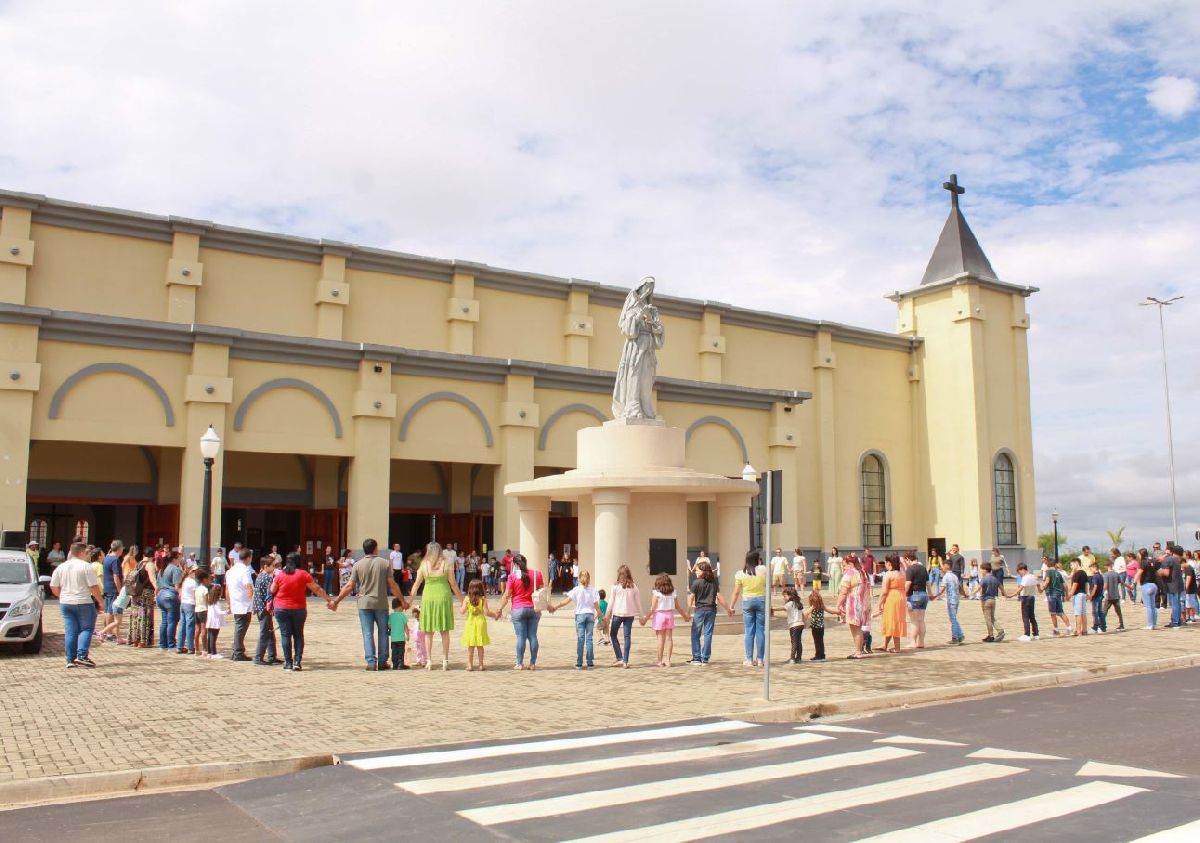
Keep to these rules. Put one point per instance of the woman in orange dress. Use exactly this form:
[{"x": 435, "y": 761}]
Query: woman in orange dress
[{"x": 891, "y": 606}]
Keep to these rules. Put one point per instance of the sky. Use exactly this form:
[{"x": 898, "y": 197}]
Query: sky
[{"x": 781, "y": 156}]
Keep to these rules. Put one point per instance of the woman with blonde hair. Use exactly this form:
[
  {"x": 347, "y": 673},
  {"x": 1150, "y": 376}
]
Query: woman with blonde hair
[
  {"x": 437, "y": 602},
  {"x": 854, "y": 603},
  {"x": 625, "y": 606}
]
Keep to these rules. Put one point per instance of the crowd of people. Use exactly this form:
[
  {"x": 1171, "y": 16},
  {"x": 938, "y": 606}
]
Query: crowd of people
[{"x": 162, "y": 598}]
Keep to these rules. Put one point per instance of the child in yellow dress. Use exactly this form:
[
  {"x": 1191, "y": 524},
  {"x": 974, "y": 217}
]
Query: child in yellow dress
[{"x": 475, "y": 634}]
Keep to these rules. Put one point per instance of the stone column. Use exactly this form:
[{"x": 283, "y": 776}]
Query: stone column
[
  {"x": 784, "y": 441},
  {"x": 516, "y": 442},
  {"x": 462, "y": 312},
  {"x": 333, "y": 291},
  {"x": 208, "y": 394},
  {"x": 611, "y": 532},
  {"x": 733, "y": 537},
  {"x": 577, "y": 327},
  {"x": 185, "y": 273},
  {"x": 534, "y": 541},
  {"x": 369, "y": 481},
  {"x": 824, "y": 364}
]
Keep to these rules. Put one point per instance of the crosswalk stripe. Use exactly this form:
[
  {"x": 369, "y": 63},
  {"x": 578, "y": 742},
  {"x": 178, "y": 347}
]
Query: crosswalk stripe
[
  {"x": 760, "y": 816},
  {"x": 993, "y": 754},
  {"x": 836, "y": 729},
  {"x": 450, "y": 784},
  {"x": 1189, "y": 831},
  {"x": 1012, "y": 815},
  {"x": 572, "y": 803},
  {"x": 1094, "y": 768},
  {"x": 909, "y": 740},
  {"x": 450, "y": 756}
]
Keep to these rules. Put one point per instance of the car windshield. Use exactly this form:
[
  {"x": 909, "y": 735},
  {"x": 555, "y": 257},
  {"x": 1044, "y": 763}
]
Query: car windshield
[{"x": 15, "y": 573}]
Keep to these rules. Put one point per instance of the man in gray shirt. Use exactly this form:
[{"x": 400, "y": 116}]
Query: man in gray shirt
[
  {"x": 373, "y": 576},
  {"x": 1112, "y": 586}
]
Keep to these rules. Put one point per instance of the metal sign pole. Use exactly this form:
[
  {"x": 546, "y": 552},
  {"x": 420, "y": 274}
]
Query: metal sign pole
[{"x": 766, "y": 533}]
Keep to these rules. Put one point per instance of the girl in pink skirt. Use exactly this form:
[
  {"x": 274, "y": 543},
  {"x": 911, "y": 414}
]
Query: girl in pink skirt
[{"x": 663, "y": 605}]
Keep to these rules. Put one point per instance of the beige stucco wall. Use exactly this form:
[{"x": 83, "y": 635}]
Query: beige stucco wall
[{"x": 938, "y": 429}]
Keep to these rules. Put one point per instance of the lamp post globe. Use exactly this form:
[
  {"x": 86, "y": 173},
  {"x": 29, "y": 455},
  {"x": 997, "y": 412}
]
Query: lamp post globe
[{"x": 210, "y": 447}]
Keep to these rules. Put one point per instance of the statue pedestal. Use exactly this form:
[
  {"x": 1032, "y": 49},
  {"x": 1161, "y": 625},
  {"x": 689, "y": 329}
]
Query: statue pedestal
[{"x": 631, "y": 486}]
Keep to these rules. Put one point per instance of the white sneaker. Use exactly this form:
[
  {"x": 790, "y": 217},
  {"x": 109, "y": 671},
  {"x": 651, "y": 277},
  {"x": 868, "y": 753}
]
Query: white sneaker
[
  {"x": 747, "y": 663},
  {"x": 1024, "y": 638},
  {"x": 1147, "y": 627},
  {"x": 216, "y": 656},
  {"x": 1035, "y": 638}
]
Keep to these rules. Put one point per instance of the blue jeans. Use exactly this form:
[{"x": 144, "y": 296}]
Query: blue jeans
[
  {"x": 952, "y": 612},
  {"x": 1175, "y": 601},
  {"x": 619, "y": 623},
  {"x": 291, "y": 632},
  {"x": 584, "y": 624},
  {"x": 754, "y": 618},
  {"x": 1099, "y": 622},
  {"x": 187, "y": 631},
  {"x": 328, "y": 580},
  {"x": 1150, "y": 601},
  {"x": 374, "y": 623},
  {"x": 168, "y": 603},
  {"x": 79, "y": 622},
  {"x": 702, "y": 632},
  {"x": 525, "y": 623}
]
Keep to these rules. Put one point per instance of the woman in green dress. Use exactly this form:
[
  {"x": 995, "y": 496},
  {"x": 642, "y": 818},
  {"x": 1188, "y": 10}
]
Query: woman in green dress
[{"x": 437, "y": 604}]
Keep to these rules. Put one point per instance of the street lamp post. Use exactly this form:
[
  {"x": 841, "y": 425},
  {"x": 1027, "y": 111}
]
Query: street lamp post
[
  {"x": 1162, "y": 335},
  {"x": 210, "y": 446},
  {"x": 1054, "y": 517},
  {"x": 751, "y": 475}
]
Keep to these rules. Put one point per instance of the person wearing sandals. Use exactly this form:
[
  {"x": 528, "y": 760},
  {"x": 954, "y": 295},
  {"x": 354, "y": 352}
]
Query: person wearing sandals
[
  {"x": 519, "y": 590},
  {"x": 751, "y": 586},
  {"x": 437, "y": 600},
  {"x": 854, "y": 603}
]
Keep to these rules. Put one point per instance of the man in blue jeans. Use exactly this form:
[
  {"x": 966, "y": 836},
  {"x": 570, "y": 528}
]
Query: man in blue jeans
[
  {"x": 951, "y": 587},
  {"x": 1170, "y": 572},
  {"x": 77, "y": 588},
  {"x": 703, "y": 602},
  {"x": 372, "y": 575}
]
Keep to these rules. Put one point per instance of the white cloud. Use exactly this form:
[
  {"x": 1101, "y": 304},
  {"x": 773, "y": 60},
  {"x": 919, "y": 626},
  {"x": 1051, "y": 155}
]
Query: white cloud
[
  {"x": 1173, "y": 96},
  {"x": 775, "y": 155}
]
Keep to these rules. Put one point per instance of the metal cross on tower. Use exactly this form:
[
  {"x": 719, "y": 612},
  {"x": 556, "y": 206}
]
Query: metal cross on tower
[{"x": 955, "y": 189}]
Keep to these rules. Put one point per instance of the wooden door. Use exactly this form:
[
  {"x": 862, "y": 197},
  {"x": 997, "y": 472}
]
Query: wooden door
[
  {"x": 319, "y": 529},
  {"x": 160, "y": 521},
  {"x": 458, "y": 528}
]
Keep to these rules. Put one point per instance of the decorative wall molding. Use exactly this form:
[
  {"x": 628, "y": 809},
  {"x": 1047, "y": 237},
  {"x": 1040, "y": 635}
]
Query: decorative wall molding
[
  {"x": 563, "y": 411},
  {"x": 239, "y": 418},
  {"x": 447, "y": 396},
  {"x": 720, "y": 422},
  {"x": 117, "y": 369}
]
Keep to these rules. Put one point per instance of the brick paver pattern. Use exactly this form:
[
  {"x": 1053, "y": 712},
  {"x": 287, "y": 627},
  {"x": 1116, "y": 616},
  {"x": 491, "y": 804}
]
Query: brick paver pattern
[{"x": 145, "y": 708}]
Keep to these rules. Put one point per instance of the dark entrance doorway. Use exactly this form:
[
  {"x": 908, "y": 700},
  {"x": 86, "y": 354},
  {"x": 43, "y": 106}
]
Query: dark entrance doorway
[{"x": 936, "y": 546}]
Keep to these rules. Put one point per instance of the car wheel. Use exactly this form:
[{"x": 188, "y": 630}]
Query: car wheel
[{"x": 34, "y": 644}]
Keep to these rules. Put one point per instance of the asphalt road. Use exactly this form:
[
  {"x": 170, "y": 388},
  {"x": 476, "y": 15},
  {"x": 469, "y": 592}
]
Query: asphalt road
[{"x": 1010, "y": 767}]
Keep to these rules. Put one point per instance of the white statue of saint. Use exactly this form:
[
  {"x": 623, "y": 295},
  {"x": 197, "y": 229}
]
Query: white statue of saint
[{"x": 633, "y": 395}]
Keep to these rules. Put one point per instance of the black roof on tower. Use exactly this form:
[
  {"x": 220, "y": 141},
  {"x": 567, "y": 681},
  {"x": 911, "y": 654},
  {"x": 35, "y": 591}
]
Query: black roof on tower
[{"x": 957, "y": 250}]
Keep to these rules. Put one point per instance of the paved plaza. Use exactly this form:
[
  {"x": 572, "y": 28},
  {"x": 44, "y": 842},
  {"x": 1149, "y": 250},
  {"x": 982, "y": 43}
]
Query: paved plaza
[{"x": 144, "y": 708}]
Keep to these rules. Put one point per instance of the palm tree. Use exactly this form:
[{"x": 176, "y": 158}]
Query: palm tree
[{"x": 1116, "y": 537}]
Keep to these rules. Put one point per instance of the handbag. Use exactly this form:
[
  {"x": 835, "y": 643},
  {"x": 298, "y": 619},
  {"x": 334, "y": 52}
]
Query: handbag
[{"x": 541, "y": 596}]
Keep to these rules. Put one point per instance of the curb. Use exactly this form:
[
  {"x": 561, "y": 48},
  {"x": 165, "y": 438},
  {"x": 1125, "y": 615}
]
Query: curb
[
  {"x": 16, "y": 794},
  {"x": 954, "y": 693}
]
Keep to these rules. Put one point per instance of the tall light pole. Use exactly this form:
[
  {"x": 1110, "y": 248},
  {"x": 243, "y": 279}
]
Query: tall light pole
[
  {"x": 750, "y": 475},
  {"x": 210, "y": 446},
  {"x": 1151, "y": 301},
  {"x": 1054, "y": 517}
]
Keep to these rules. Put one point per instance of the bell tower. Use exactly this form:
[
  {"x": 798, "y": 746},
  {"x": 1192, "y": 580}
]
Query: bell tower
[{"x": 970, "y": 388}]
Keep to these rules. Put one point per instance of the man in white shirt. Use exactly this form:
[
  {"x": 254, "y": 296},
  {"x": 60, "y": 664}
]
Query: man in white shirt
[
  {"x": 77, "y": 588},
  {"x": 799, "y": 569},
  {"x": 218, "y": 568},
  {"x": 779, "y": 566},
  {"x": 397, "y": 560},
  {"x": 239, "y": 589}
]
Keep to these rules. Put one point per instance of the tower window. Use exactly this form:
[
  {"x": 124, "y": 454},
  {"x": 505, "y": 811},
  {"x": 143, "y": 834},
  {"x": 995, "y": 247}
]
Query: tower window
[{"x": 1004, "y": 484}]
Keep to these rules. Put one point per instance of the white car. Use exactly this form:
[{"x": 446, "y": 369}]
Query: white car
[{"x": 20, "y": 601}]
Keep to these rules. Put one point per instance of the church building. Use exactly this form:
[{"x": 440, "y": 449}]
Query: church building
[{"x": 359, "y": 392}]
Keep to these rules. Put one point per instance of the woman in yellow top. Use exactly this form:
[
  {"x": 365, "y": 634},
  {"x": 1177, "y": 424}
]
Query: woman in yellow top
[{"x": 751, "y": 586}]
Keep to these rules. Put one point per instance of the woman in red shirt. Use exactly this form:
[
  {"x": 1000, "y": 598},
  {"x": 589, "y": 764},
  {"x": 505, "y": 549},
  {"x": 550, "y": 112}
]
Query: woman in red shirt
[
  {"x": 289, "y": 593},
  {"x": 519, "y": 590}
]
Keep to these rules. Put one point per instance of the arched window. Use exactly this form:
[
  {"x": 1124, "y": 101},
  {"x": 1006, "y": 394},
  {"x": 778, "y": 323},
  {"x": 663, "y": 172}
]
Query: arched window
[
  {"x": 876, "y": 531},
  {"x": 39, "y": 531},
  {"x": 1004, "y": 486},
  {"x": 81, "y": 531}
]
